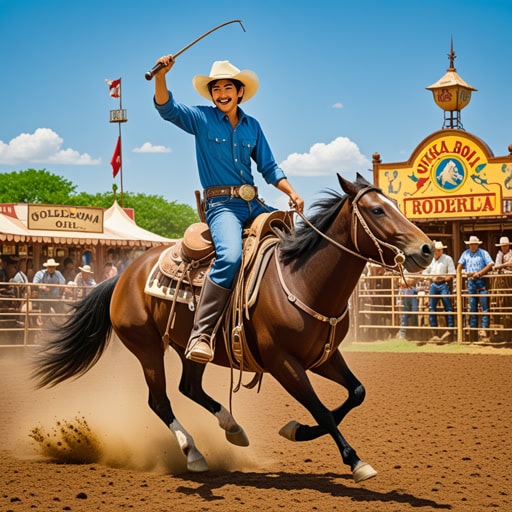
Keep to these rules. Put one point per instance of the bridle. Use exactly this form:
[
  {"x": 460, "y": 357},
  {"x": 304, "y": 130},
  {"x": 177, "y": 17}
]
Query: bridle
[{"x": 358, "y": 219}]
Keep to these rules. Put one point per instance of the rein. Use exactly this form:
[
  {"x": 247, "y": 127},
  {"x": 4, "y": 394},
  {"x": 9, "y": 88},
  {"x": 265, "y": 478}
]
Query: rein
[{"x": 399, "y": 255}]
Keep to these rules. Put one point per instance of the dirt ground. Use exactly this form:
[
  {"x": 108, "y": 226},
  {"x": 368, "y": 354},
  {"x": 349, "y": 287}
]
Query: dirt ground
[{"x": 435, "y": 426}]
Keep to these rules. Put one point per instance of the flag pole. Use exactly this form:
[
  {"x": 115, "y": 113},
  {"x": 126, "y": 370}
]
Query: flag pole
[
  {"x": 121, "y": 142},
  {"x": 119, "y": 116}
]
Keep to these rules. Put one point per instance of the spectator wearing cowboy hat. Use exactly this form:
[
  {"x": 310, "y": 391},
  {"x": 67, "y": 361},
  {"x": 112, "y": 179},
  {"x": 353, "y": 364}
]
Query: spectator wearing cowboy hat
[
  {"x": 49, "y": 275},
  {"x": 476, "y": 262},
  {"x": 504, "y": 256},
  {"x": 442, "y": 271},
  {"x": 84, "y": 279},
  {"x": 227, "y": 140}
]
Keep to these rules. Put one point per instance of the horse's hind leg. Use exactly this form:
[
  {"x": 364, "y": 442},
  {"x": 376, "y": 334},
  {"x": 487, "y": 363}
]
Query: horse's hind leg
[
  {"x": 191, "y": 385},
  {"x": 336, "y": 370},
  {"x": 154, "y": 373}
]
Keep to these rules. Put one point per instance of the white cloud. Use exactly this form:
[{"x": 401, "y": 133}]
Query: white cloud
[
  {"x": 337, "y": 105},
  {"x": 340, "y": 155},
  {"x": 147, "y": 147},
  {"x": 44, "y": 146}
]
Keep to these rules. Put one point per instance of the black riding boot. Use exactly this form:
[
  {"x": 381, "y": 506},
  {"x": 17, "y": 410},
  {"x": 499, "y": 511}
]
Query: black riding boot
[{"x": 212, "y": 301}]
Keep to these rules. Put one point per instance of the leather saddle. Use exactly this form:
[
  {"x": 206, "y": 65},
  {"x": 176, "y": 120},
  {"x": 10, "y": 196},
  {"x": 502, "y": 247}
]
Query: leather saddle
[
  {"x": 182, "y": 268},
  {"x": 179, "y": 275}
]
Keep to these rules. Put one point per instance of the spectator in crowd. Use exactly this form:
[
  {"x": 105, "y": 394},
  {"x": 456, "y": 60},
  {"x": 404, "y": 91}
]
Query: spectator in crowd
[
  {"x": 84, "y": 279},
  {"x": 504, "y": 256},
  {"x": 109, "y": 270},
  {"x": 17, "y": 276},
  {"x": 3, "y": 273},
  {"x": 476, "y": 262},
  {"x": 6, "y": 272},
  {"x": 410, "y": 304},
  {"x": 49, "y": 275},
  {"x": 68, "y": 270},
  {"x": 442, "y": 271}
]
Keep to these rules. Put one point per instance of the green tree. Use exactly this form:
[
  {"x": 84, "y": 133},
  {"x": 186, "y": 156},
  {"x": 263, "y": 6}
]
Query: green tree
[
  {"x": 152, "y": 212},
  {"x": 33, "y": 186}
]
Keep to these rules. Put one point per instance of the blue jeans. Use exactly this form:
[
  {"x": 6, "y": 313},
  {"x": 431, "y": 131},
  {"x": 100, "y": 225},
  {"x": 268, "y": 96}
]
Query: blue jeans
[
  {"x": 226, "y": 218},
  {"x": 444, "y": 290},
  {"x": 477, "y": 287},
  {"x": 410, "y": 303}
]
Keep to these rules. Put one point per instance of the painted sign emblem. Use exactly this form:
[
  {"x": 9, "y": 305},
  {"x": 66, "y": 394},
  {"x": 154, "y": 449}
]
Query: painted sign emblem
[{"x": 451, "y": 174}]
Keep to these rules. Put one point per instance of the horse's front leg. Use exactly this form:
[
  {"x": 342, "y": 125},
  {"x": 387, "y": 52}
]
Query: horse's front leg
[
  {"x": 336, "y": 370},
  {"x": 293, "y": 378},
  {"x": 191, "y": 385}
]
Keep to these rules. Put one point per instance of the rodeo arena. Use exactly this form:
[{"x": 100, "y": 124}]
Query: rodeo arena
[
  {"x": 452, "y": 186},
  {"x": 409, "y": 266}
]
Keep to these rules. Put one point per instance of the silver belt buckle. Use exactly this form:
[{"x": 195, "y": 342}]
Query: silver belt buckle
[{"x": 247, "y": 192}]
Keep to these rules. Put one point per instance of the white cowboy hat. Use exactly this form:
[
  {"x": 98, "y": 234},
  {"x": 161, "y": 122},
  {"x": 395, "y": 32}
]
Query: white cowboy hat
[
  {"x": 439, "y": 245},
  {"x": 503, "y": 241},
  {"x": 473, "y": 240},
  {"x": 51, "y": 263},
  {"x": 86, "y": 268},
  {"x": 224, "y": 70}
]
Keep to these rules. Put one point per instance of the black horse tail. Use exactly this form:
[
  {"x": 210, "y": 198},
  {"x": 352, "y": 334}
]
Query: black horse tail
[{"x": 76, "y": 346}]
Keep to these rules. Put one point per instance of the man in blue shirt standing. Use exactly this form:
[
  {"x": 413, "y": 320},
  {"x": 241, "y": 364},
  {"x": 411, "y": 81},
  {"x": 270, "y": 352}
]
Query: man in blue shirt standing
[
  {"x": 476, "y": 262},
  {"x": 226, "y": 140},
  {"x": 51, "y": 294}
]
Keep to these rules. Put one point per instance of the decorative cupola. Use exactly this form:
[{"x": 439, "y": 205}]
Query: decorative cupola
[{"x": 451, "y": 94}]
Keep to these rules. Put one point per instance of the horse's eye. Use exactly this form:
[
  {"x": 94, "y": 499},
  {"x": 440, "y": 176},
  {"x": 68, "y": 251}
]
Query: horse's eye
[{"x": 378, "y": 210}]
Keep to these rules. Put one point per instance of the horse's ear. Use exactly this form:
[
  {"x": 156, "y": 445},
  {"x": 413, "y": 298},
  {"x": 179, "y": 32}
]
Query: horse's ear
[
  {"x": 362, "y": 180},
  {"x": 347, "y": 186}
]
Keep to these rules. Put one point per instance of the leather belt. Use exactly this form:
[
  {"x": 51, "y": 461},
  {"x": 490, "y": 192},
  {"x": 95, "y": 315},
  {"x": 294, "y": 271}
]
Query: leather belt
[{"x": 245, "y": 192}]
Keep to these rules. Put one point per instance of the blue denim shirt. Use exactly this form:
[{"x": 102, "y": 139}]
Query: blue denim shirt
[
  {"x": 224, "y": 154},
  {"x": 474, "y": 262}
]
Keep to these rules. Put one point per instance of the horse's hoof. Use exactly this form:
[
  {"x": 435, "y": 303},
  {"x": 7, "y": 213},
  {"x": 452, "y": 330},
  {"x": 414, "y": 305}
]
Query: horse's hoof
[
  {"x": 363, "y": 471},
  {"x": 196, "y": 462},
  {"x": 238, "y": 438},
  {"x": 289, "y": 430}
]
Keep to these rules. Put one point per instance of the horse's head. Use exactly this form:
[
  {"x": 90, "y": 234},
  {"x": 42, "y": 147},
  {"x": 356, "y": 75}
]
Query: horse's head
[{"x": 381, "y": 232}]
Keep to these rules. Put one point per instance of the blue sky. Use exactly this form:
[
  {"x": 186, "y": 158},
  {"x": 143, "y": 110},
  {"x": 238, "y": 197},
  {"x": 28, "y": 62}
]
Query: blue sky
[{"x": 339, "y": 80}]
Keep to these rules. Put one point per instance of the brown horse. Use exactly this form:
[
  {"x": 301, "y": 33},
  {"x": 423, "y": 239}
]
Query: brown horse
[{"x": 318, "y": 267}]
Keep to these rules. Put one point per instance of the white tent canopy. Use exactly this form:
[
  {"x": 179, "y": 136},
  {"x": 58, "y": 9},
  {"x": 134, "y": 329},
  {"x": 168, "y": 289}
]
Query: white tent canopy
[{"x": 118, "y": 229}]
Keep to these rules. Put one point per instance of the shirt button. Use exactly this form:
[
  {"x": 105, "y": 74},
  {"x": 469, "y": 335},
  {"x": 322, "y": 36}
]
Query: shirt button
[{"x": 236, "y": 159}]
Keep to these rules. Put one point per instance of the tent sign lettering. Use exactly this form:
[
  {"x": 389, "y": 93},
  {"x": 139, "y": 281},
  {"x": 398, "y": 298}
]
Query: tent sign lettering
[{"x": 65, "y": 218}]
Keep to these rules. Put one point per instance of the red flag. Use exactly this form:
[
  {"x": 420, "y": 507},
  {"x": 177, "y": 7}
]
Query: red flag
[
  {"x": 116, "y": 158},
  {"x": 114, "y": 87}
]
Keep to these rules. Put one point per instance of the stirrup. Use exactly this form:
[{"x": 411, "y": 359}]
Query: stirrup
[{"x": 200, "y": 351}]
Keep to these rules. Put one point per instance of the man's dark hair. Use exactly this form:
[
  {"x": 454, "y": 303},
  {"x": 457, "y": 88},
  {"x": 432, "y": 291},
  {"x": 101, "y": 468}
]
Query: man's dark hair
[{"x": 235, "y": 82}]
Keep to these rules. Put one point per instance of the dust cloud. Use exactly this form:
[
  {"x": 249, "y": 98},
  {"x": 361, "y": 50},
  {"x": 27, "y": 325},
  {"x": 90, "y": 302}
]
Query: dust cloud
[{"x": 104, "y": 417}]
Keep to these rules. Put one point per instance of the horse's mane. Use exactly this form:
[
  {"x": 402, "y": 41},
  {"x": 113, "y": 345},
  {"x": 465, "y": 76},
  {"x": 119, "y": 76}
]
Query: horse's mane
[{"x": 303, "y": 238}]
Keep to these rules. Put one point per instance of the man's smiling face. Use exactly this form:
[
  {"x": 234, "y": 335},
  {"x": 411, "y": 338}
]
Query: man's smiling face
[{"x": 225, "y": 95}]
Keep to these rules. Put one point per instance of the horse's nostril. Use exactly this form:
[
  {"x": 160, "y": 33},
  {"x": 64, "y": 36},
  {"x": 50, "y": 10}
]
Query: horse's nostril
[{"x": 427, "y": 249}]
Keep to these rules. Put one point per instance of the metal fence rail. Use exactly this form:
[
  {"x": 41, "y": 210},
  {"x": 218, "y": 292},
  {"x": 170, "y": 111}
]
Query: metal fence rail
[
  {"x": 377, "y": 307},
  {"x": 376, "y": 310},
  {"x": 26, "y": 312}
]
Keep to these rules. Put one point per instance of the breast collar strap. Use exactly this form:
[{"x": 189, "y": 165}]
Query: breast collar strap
[{"x": 332, "y": 321}]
